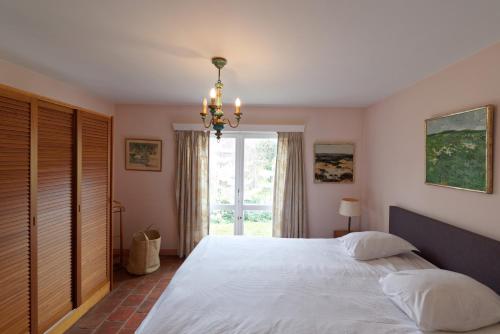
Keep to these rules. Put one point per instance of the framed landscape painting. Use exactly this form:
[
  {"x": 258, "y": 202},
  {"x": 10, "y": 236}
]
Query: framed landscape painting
[
  {"x": 334, "y": 163},
  {"x": 459, "y": 150},
  {"x": 143, "y": 154}
]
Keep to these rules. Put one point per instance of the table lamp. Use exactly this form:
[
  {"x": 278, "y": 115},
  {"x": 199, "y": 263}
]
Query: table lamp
[{"x": 350, "y": 207}]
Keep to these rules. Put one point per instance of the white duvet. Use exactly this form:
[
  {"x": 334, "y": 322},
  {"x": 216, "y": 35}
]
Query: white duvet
[{"x": 288, "y": 286}]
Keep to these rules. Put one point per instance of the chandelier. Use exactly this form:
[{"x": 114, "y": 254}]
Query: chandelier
[{"x": 217, "y": 119}]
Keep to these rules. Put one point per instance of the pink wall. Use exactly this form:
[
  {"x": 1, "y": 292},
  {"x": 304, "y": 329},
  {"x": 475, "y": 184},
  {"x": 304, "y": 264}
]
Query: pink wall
[
  {"x": 33, "y": 82},
  {"x": 149, "y": 196},
  {"x": 389, "y": 139},
  {"x": 394, "y": 134}
]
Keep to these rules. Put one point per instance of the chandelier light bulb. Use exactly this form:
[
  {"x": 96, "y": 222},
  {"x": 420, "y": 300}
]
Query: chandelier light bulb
[
  {"x": 237, "y": 104},
  {"x": 204, "y": 111},
  {"x": 212, "y": 96}
]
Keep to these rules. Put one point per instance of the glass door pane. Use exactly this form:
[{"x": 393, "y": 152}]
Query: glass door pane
[
  {"x": 258, "y": 223},
  {"x": 260, "y": 160},
  {"x": 221, "y": 222},
  {"x": 258, "y": 184},
  {"x": 222, "y": 172}
]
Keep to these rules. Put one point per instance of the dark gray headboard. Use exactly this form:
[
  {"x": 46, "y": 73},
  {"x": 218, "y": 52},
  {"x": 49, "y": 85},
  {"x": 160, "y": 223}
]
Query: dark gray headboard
[{"x": 449, "y": 247}]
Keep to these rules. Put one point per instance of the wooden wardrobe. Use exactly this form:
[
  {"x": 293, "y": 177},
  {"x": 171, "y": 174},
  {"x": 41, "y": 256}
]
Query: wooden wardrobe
[{"x": 55, "y": 219}]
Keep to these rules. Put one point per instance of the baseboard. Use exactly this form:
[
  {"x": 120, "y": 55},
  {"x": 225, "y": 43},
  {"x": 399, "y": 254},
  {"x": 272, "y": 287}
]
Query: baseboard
[
  {"x": 163, "y": 251},
  {"x": 72, "y": 317}
]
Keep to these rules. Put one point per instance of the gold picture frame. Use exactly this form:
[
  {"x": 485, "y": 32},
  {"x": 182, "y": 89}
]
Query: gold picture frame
[
  {"x": 334, "y": 162},
  {"x": 143, "y": 154},
  {"x": 460, "y": 133}
]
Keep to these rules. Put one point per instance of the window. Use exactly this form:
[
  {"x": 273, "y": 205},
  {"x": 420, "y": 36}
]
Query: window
[{"x": 241, "y": 184}]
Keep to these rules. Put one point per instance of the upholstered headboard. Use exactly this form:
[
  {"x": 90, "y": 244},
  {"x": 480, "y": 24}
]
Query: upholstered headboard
[{"x": 449, "y": 247}]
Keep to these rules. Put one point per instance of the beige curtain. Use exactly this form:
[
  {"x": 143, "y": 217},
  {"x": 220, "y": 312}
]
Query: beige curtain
[
  {"x": 289, "y": 202},
  {"x": 192, "y": 188}
]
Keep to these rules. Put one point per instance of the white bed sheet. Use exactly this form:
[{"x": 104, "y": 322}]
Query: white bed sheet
[{"x": 251, "y": 285}]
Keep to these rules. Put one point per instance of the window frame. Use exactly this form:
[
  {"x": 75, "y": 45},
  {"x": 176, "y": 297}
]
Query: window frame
[{"x": 239, "y": 183}]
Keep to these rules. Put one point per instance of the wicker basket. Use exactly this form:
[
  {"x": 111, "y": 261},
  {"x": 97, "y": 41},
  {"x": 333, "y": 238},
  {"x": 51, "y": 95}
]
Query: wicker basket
[{"x": 144, "y": 256}]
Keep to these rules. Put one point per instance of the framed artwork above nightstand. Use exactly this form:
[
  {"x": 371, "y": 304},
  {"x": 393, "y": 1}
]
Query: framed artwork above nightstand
[{"x": 334, "y": 163}]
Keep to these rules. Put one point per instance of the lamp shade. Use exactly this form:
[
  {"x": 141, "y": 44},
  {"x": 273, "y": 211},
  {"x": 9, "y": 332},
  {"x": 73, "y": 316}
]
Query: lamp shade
[{"x": 350, "y": 207}]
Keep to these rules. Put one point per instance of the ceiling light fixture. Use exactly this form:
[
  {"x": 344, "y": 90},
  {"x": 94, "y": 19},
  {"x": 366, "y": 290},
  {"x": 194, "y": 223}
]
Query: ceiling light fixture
[{"x": 217, "y": 120}]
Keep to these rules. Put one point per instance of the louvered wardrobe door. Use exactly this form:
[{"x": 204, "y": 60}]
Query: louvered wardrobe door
[
  {"x": 15, "y": 123},
  {"x": 55, "y": 213},
  {"x": 94, "y": 202}
]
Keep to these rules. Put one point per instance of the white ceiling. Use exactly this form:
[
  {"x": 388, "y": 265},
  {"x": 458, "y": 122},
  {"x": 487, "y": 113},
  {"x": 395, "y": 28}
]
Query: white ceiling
[{"x": 281, "y": 52}]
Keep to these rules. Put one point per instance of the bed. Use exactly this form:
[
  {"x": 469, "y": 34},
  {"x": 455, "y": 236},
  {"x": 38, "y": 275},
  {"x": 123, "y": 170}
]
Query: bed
[{"x": 269, "y": 285}]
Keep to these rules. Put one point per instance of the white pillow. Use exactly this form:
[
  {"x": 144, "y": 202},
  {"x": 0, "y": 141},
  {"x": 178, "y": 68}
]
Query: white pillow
[
  {"x": 373, "y": 245},
  {"x": 438, "y": 299}
]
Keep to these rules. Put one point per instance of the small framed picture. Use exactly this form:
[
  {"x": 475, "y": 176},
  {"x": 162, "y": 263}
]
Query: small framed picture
[
  {"x": 334, "y": 163},
  {"x": 143, "y": 154}
]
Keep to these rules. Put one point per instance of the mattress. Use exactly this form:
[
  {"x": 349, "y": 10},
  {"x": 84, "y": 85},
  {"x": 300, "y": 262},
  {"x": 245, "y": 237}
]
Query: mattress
[{"x": 252, "y": 285}]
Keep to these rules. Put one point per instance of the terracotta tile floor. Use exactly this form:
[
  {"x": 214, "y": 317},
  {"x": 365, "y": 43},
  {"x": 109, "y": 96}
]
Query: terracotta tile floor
[{"x": 123, "y": 310}]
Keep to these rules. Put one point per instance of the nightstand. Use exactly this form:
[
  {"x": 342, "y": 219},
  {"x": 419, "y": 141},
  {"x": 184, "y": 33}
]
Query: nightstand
[{"x": 340, "y": 233}]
